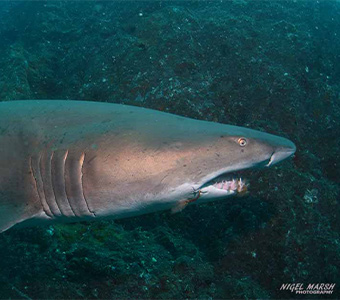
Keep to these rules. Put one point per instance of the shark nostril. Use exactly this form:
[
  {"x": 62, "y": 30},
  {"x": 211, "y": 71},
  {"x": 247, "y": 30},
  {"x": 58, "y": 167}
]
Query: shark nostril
[
  {"x": 280, "y": 154},
  {"x": 271, "y": 159}
]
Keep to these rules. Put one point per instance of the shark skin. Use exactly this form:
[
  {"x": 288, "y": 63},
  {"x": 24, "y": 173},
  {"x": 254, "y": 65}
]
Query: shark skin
[{"x": 69, "y": 161}]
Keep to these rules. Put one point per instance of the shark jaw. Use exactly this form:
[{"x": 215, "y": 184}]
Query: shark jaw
[
  {"x": 217, "y": 186},
  {"x": 221, "y": 184},
  {"x": 230, "y": 181},
  {"x": 225, "y": 184}
]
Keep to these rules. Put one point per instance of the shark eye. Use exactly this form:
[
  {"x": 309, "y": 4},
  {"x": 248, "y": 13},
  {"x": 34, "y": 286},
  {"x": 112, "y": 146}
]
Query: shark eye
[{"x": 242, "y": 142}]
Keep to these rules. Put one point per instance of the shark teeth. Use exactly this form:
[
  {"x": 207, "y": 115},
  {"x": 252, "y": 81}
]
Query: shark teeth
[{"x": 236, "y": 185}]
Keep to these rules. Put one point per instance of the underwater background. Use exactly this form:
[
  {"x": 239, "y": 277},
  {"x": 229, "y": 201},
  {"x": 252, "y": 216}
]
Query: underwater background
[{"x": 268, "y": 65}]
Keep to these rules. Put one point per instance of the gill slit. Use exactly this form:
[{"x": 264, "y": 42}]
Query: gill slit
[
  {"x": 52, "y": 185},
  {"x": 64, "y": 170},
  {"x": 82, "y": 159},
  {"x": 43, "y": 184},
  {"x": 37, "y": 189}
]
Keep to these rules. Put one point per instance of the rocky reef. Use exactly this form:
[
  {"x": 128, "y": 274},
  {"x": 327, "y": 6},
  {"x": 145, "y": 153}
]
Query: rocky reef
[{"x": 269, "y": 65}]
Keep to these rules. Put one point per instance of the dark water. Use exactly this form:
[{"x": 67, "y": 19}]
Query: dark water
[{"x": 269, "y": 65}]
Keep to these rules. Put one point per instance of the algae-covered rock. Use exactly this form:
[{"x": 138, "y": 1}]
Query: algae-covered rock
[{"x": 269, "y": 65}]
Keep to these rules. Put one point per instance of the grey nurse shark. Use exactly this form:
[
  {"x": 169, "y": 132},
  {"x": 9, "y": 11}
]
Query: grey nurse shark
[{"x": 67, "y": 161}]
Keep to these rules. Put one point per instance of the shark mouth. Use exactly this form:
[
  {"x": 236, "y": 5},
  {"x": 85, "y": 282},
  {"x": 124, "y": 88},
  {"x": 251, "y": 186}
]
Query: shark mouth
[
  {"x": 219, "y": 187},
  {"x": 227, "y": 184},
  {"x": 231, "y": 182},
  {"x": 238, "y": 186}
]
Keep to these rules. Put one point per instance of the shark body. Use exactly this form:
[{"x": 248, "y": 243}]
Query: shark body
[{"x": 68, "y": 161}]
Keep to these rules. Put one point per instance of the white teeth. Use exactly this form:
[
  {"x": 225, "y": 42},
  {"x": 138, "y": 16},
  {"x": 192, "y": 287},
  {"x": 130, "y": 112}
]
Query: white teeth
[
  {"x": 219, "y": 185},
  {"x": 237, "y": 185}
]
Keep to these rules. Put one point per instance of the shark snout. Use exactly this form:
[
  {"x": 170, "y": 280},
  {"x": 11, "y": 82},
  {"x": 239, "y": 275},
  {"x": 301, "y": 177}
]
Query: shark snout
[{"x": 282, "y": 150}]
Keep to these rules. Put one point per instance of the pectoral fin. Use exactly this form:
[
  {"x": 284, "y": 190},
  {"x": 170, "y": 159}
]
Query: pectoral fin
[
  {"x": 180, "y": 205},
  {"x": 13, "y": 212}
]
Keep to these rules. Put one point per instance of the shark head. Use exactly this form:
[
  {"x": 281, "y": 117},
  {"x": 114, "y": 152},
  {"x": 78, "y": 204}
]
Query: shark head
[
  {"x": 208, "y": 170},
  {"x": 159, "y": 161},
  {"x": 241, "y": 149}
]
